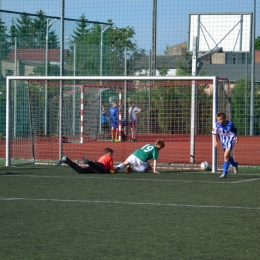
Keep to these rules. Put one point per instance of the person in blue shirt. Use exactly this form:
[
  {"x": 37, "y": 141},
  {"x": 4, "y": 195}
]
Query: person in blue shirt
[
  {"x": 225, "y": 133},
  {"x": 114, "y": 121},
  {"x": 104, "y": 122}
]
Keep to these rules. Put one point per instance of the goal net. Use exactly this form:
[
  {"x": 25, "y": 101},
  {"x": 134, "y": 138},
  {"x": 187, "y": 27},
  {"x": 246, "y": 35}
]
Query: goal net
[{"x": 48, "y": 117}]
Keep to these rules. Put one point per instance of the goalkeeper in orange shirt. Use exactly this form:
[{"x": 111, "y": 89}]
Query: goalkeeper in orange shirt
[{"x": 104, "y": 164}]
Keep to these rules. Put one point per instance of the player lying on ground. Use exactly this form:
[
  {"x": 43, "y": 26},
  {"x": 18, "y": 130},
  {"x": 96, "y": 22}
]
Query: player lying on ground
[
  {"x": 138, "y": 160},
  {"x": 104, "y": 164},
  {"x": 225, "y": 133}
]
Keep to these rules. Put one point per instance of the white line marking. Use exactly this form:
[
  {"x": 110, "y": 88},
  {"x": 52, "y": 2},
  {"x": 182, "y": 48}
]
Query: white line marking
[
  {"x": 246, "y": 180},
  {"x": 132, "y": 203},
  {"x": 87, "y": 176}
]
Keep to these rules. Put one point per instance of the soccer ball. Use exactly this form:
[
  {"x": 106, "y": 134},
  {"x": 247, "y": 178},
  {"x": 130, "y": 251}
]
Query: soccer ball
[{"x": 204, "y": 166}]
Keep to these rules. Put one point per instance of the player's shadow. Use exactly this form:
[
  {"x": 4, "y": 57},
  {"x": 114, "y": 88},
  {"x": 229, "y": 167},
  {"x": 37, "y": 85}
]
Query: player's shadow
[{"x": 8, "y": 173}]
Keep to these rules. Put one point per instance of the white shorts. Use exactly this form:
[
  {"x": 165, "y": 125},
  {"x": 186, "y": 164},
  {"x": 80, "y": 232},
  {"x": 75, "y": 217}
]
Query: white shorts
[{"x": 139, "y": 166}]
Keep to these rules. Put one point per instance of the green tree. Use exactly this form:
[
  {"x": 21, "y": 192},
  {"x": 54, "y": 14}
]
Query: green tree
[
  {"x": 81, "y": 29},
  {"x": 4, "y": 37},
  {"x": 24, "y": 31},
  {"x": 39, "y": 29},
  {"x": 117, "y": 40},
  {"x": 240, "y": 97},
  {"x": 86, "y": 53},
  {"x": 53, "y": 70},
  {"x": 39, "y": 25},
  {"x": 257, "y": 43},
  {"x": 88, "y": 37},
  {"x": 169, "y": 101},
  {"x": 163, "y": 71},
  {"x": 31, "y": 32},
  {"x": 4, "y": 44},
  {"x": 240, "y": 105},
  {"x": 12, "y": 32},
  {"x": 2, "y": 109},
  {"x": 184, "y": 65}
]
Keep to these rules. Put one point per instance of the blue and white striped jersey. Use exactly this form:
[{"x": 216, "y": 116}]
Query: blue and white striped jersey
[{"x": 226, "y": 133}]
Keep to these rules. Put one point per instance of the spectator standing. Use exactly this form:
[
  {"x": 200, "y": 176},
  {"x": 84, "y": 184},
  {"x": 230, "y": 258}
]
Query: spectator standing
[
  {"x": 104, "y": 122},
  {"x": 133, "y": 111},
  {"x": 114, "y": 122}
]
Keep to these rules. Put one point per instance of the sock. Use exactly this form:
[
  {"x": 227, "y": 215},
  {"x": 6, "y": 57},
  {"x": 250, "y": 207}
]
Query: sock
[
  {"x": 112, "y": 134},
  {"x": 121, "y": 166},
  {"x": 232, "y": 162},
  {"x": 225, "y": 167}
]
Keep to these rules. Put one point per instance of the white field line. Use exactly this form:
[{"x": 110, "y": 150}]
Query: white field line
[
  {"x": 87, "y": 176},
  {"x": 131, "y": 203},
  {"x": 257, "y": 179}
]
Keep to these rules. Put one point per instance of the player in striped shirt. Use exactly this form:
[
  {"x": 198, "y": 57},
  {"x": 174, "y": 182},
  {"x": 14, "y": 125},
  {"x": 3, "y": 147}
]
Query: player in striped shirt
[{"x": 225, "y": 133}]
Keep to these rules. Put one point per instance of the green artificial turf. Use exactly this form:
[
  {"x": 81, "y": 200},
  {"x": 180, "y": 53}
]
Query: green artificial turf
[{"x": 50, "y": 212}]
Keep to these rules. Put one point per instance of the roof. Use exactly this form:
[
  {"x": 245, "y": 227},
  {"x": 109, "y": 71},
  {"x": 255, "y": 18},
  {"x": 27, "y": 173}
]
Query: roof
[
  {"x": 168, "y": 61},
  {"x": 257, "y": 56},
  {"x": 36, "y": 55},
  {"x": 233, "y": 72}
]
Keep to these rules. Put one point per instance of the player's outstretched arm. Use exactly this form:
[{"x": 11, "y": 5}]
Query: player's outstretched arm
[
  {"x": 155, "y": 167},
  {"x": 216, "y": 140}
]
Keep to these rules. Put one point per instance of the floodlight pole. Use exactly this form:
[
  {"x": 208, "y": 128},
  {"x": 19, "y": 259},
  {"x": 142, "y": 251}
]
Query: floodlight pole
[
  {"x": 74, "y": 93},
  {"x": 154, "y": 32},
  {"x": 15, "y": 86},
  {"x": 74, "y": 87},
  {"x": 62, "y": 11},
  {"x": 215, "y": 110},
  {"x": 48, "y": 24},
  {"x": 195, "y": 61},
  {"x": 125, "y": 88},
  {"x": 100, "y": 107},
  {"x": 103, "y": 28},
  {"x": 252, "y": 98},
  {"x": 193, "y": 101}
]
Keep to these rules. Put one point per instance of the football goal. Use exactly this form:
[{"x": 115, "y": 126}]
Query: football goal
[{"x": 47, "y": 117}]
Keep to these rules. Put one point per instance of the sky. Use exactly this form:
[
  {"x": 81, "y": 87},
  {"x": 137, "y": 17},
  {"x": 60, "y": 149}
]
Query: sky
[{"x": 172, "y": 15}]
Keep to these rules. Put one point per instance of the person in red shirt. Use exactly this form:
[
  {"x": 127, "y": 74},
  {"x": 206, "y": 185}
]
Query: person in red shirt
[{"x": 104, "y": 164}]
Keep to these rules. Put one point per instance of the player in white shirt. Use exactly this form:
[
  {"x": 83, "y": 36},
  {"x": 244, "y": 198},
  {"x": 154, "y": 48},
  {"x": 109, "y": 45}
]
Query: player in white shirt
[
  {"x": 225, "y": 132},
  {"x": 138, "y": 160},
  {"x": 133, "y": 111}
]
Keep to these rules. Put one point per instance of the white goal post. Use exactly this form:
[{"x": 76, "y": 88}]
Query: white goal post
[{"x": 136, "y": 83}]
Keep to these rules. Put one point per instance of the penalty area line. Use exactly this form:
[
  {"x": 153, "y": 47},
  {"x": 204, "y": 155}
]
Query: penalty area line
[
  {"x": 87, "y": 177},
  {"x": 132, "y": 203},
  {"x": 102, "y": 177}
]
